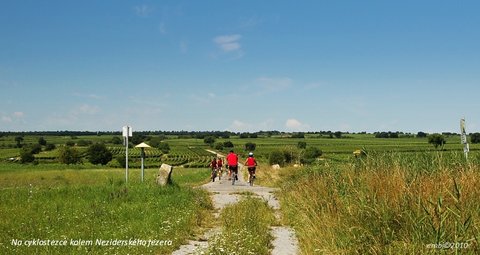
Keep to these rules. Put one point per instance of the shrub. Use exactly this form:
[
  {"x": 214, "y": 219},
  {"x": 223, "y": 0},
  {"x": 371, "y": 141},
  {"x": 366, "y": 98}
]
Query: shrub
[
  {"x": 228, "y": 144},
  {"x": 70, "y": 143},
  {"x": 475, "y": 138},
  {"x": 302, "y": 145},
  {"x": 219, "y": 146},
  {"x": 276, "y": 157},
  {"x": 164, "y": 147},
  {"x": 42, "y": 141},
  {"x": 250, "y": 146},
  {"x": 50, "y": 147},
  {"x": 436, "y": 140},
  {"x": 116, "y": 140},
  {"x": 84, "y": 142},
  {"x": 310, "y": 155},
  {"x": 68, "y": 155},
  {"x": 210, "y": 140},
  {"x": 26, "y": 155},
  {"x": 98, "y": 153},
  {"x": 121, "y": 159}
]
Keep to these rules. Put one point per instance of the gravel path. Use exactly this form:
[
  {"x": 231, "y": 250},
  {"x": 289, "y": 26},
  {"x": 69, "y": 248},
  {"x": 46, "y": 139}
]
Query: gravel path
[{"x": 223, "y": 194}]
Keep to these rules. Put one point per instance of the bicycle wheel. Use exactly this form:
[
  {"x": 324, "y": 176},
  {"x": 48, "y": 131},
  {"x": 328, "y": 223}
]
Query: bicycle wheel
[
  {"x": 214, "y": 174},
  {"x": 234, "y": 176},
  {"x": 251, "y": 180}
]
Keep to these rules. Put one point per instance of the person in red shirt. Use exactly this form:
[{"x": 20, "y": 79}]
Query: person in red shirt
[
  {"x": 219, "y": 167},
  {"x": 232, "y": 161},
  {"x": 213, "y": 165},
  {"x": 251, "y": 164}
]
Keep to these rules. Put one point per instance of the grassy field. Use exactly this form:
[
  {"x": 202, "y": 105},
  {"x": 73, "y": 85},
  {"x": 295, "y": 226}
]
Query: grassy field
[
  {"x": 386, "y": 203},
  {"x": 80, "y": 209},
  {"x": 404, "y": 197}
]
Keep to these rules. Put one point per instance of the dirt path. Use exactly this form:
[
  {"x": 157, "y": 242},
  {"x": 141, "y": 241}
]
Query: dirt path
[{"x": 223, "y": 194}]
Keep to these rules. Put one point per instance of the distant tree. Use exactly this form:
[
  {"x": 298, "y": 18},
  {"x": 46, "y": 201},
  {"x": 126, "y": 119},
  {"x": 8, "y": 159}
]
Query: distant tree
[
  {"x": 250, "y": 146},
  {"x": 26, "y": 155},
  {"x": 475, "y": 138},
  {"x": 219, "y": 146},
  {"x": 298, "y": 135},
  {"x": 116, "y": 140},
  {"x": 50, "y": 147},
  {"x": 437, "y": 140},
  {"x": 68, "y": 155},
  {"x": 244, "y": 135},
  {"x": 421, "y": 134},
  {"x": 310, "y": 155},
  {"x": 70, "y": 143},
  {"x": 276, "y": 157},
  {"x": 210, "y": 140},
  {"x": 338, "y": 134},
  {"x": 84, "y": 143},
  {"x": 228, "y": 144},
  {"x": 302, "y": 145},
  {"x": 42, "y": 141},
  {"x": 121, "y": 159},
  {"x": 98, "y": 153},
  {"x": 163, "y": 147},
  {"x": 392, "y": 134},
  {"x": 254, "y": 135},
  {"x": 34, "y": 148},
  {"x": 138, "y": 138},
  {"x": 19, "y": 140}
]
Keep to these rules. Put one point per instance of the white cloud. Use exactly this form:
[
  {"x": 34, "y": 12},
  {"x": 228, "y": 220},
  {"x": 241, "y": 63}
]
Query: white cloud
[
  {"x": 86, "y": 109},
  {"x": 142, "y": 10},
  {"x": 18, "y": 114},
  {"x": 273, "y": 84},
  {"x": 6, "y": 119},
  {"x": 239, "y": 126},
  {"x": 295, "y": 125},
  {"x": 228, "y": 43}
]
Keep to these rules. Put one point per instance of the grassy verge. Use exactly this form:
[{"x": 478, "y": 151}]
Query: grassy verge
[
  {"x": 245, "y": 228},
  {"x": 92, "y": 206},
  {"x": 385, "y": 204}
]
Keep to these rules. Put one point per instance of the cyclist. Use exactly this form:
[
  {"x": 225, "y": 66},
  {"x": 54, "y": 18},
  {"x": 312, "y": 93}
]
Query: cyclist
[
  {"x": 251, "y": 164},
  {"x": 232, "y": 161},
  {"x": 213, "y": 165},
  {"x": 219, "y": 167}
]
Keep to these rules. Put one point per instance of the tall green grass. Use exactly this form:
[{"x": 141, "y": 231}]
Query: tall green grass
[
  {"x": 104, "y": 209},
  {"x": 245, "y": 229},
  {"x": 386, "y": 203}
]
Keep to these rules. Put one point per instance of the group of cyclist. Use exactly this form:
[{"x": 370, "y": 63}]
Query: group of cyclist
[{"x": 232, "y": 165}]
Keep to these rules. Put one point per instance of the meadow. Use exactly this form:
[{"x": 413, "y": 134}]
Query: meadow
[{"x": 403, "y": 197}]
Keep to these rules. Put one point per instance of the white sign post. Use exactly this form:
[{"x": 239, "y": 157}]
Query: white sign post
[
  {"x": 126, "y": 132},
  {"x": 464, "y": 141}
]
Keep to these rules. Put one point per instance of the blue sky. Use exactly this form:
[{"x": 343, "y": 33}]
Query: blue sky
[{"x": 240, "y": 65}]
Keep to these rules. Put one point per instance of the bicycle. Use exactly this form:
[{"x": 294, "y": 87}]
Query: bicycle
[
  {"x": 234, "y": 176},
  {"x": 251, "y": 176},
  {"x": 219, "y": 173},
  {"x": 214, "y": 174}
]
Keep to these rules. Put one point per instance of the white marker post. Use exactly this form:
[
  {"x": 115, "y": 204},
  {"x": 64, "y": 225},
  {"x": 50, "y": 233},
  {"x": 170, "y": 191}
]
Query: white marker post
[
  {"x": 464, "y": 141},
  {"x": 126, "y": 132}
]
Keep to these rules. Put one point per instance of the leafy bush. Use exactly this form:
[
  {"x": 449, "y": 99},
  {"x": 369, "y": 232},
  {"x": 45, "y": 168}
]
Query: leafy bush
[
  {"x": 302, "y": 145},
  {"x": 219, "y": 146},
  {"x": 437, "y": 140},
  {"x": 228, "y": 144},
  {"x": 475, "y": 138},
  {"x": 210, "y": 140},
  {"x": 276, "y": 157},
  {"x": 42, "y": 141},
  {"x": 250, "y": 146},
  {"x": 310, "y": 155},
  {"x": 26, "y": 155},
  {"x": 68, "y": 155},
  {"x": 164, "y": 147},
  {"x": 98, "y": 153},
  {"x": 50, "y": 147},
  {"x": 84, "y": 142}
]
